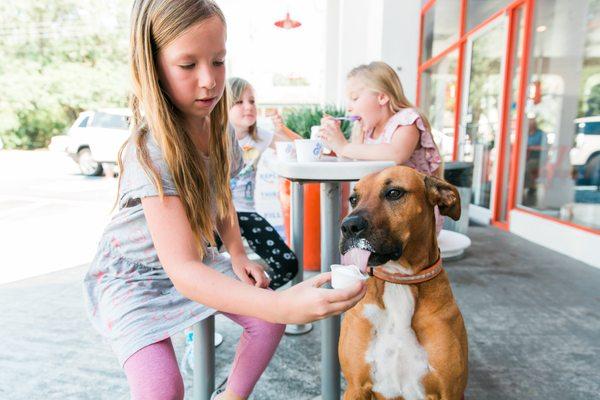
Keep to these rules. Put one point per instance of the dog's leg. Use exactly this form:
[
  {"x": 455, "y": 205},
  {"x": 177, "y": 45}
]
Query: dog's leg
[
  {"x": 357, "y": 393},
  {"x": 354, "y": 338},
  {"x": 378, "y": 396}
]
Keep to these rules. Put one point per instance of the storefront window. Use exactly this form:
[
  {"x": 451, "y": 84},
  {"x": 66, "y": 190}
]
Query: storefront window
[
  {"x": 481, "y": 115},
  {"x": 479, "y": 10},
  {"x": 438, "y": 101},
  {"x": 561, "y": 144},
  {"x": 441, "y": 26}
]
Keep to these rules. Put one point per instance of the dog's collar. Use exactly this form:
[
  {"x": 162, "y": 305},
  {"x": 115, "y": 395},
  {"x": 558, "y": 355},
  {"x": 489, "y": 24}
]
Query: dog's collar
[{"x": 404, "y": 279}]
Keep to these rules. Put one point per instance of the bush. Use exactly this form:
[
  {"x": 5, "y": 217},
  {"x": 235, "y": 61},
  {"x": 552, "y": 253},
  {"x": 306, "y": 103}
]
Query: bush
[
  {"x": 35, "y": 129},
  {"x": 300, "y": 120}
]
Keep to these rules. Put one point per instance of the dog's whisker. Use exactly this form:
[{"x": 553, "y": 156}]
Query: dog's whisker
[
  {"x": 364, "y": 244},
  {"x": 361, "y": 243}
]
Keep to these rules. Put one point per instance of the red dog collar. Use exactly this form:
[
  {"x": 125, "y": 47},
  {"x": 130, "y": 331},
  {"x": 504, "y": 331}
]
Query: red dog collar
[{"x": 404, "y": 279}]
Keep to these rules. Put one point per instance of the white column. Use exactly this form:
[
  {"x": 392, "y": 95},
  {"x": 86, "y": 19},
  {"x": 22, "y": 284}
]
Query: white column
[
  {"x": 400, "y": 41},
  {"x": 332, "y": 54},
  {"x": 361, "y": 31}
]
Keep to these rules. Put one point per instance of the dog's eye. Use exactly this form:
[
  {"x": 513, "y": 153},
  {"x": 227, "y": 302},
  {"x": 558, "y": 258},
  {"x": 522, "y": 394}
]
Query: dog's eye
[
  {"x": 394, "y": 194},
  {"x": 353, "y": 201}
]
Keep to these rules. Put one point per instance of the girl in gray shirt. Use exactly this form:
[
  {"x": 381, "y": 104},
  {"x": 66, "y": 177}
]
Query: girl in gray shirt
[{"x": 156, "y": 271}]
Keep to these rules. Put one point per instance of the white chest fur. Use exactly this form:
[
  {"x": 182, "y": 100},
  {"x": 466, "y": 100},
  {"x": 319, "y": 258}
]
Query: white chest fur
[{"x": 398, "y": 362}]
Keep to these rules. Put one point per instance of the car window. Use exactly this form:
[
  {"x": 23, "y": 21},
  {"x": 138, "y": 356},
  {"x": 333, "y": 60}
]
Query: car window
[
  {"x": 84, "y": 122},
  {"x": 111, "y": 121},
  {"x": 589, "y": 128}
]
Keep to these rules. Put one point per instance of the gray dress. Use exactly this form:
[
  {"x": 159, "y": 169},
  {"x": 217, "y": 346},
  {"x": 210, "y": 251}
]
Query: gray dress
[{"x": 129, "y": 297}]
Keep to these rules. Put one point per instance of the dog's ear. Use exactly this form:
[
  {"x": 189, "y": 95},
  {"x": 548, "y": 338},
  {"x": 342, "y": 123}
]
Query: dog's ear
[{"x": 444, "y": 195}]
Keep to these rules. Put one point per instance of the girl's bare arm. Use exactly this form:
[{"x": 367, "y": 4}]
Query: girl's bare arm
[
  {"x": 178, "y": 254},
  {"x": 404, "y": 142}
]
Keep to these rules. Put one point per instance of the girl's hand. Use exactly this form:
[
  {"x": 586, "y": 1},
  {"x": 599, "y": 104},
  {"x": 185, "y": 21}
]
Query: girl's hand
[
  {"x": 250, "y": 272},
  {"x": 332, "y": 135},
  {"x": 278, "y": 122},
  {"x": 307, "y": 302},
  {"x": 282, "y": 132},
  {"x": 358, "y": 133}
]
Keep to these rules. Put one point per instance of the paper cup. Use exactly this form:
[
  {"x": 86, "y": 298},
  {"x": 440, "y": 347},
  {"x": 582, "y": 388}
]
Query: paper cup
[
  {"x": 286, "y": 151},
  {"x": 308, "y": 150},
  {"x": 314, "y": 135},
  {"x": 343, "y": 276}
]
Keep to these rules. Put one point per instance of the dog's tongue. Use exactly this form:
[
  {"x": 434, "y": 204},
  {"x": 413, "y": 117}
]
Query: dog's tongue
[{"x": 358, "y": 257}]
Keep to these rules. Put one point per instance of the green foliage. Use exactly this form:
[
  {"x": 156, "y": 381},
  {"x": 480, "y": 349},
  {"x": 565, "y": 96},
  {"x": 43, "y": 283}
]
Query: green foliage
[
  {"x": 35, "y": 128},
  {"x": 300, "y": 120},
  {"x": 59, "y": 58}
]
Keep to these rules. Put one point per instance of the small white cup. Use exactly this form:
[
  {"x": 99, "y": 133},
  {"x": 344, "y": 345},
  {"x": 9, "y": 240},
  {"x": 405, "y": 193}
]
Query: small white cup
[
  {"x": 314, "y": 135},
  {"x": 286, "y": 151},
  {"x": 308, "y": 150},
  {"x": 343, "y": 276}
]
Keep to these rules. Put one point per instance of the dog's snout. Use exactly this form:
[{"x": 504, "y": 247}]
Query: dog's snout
[{"x": 354, "y": 225}]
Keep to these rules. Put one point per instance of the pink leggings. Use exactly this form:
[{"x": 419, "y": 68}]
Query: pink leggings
[{"x": 152, "y": 372}]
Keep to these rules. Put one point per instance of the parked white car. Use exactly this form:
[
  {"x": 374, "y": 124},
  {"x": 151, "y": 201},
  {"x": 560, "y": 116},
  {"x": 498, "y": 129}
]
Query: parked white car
[
  {"x": 95, "y": 138},
  {"x": 585, "y": 155},
  {"x": 59, "y": 143}
]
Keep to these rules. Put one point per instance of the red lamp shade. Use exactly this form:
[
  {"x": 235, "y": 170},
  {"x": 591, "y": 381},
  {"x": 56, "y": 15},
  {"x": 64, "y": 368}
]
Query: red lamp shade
[{"x": 287, "y": 23}]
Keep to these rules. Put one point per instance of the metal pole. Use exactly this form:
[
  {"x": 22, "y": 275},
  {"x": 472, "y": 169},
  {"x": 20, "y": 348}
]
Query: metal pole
[
  {"x": 204, "y": 359},
  {"x": 330, "y": 332},
  {"x": 297, "y": 231}
]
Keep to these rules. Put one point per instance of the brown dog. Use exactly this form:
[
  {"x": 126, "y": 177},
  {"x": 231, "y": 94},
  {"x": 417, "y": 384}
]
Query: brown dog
[{"x": 406, "y": 339}]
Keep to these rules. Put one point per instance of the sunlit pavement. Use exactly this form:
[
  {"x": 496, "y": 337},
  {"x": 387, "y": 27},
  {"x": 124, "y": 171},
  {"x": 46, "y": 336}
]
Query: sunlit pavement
[{"x": 51, "y": 216}]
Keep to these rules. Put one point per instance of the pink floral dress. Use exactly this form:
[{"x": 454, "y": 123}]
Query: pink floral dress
[{"x": 425, "y": 159}]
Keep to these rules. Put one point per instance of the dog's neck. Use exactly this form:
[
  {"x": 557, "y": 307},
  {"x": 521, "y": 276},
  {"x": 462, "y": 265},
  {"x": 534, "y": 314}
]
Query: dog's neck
[{"x": 417, "y": 256}]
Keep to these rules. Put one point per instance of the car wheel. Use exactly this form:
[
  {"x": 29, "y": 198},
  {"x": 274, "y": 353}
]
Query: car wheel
[
  {"x": 87, "y": 165},
  {"x": 592, "y": 170}
]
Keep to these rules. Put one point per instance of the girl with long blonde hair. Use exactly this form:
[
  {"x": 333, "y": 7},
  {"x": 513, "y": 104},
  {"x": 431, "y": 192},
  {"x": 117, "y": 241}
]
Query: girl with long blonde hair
[
  {"x": 389, "y": 127},
  {"x": 157, "y": 271}
]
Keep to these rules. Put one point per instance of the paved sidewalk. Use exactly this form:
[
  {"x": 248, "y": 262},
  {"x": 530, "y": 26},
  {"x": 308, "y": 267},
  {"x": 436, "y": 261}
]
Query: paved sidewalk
[
  {"x": 533, "y": 318},
  {"x": 51, "y": 216}
]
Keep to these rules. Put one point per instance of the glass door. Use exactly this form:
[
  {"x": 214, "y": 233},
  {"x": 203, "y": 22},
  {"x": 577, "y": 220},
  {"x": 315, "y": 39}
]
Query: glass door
[{"x": 482, "y": 112}]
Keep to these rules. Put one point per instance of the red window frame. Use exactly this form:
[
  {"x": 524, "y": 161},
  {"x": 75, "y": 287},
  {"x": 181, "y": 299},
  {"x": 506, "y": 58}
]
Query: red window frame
[{"x": 460, "y": 44}]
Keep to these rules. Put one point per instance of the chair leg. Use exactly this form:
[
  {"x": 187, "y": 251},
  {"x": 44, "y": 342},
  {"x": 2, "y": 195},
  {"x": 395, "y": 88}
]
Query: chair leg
[{"x": 204, "y": 359}]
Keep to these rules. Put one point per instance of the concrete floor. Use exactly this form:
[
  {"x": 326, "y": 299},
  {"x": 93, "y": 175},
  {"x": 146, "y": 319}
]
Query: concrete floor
[{"x": 533, "y": 318}]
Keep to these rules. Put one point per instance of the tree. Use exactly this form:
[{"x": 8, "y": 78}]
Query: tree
[{"x": 59, "y": 58}]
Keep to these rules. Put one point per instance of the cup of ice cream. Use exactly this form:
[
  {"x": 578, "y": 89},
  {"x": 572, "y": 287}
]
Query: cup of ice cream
[
  {"x": 308, "y": 150},
  {"x": 314, "y": 135},
  {"x": 286, "y": 151},
  {"x": 343, "y": 276}
]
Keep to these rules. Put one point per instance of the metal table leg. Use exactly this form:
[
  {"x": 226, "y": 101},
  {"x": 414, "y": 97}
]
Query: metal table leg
[
  {"x": 297, "y": 231},
  {"x": 330, "y": 333},
  {"x": 204, "y": 359}
]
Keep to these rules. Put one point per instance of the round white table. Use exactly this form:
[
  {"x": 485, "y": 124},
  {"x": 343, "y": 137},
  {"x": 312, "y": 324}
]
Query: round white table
[
  {"x": 329, "y": 173},
  {"x": 452, "y": 244}
]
